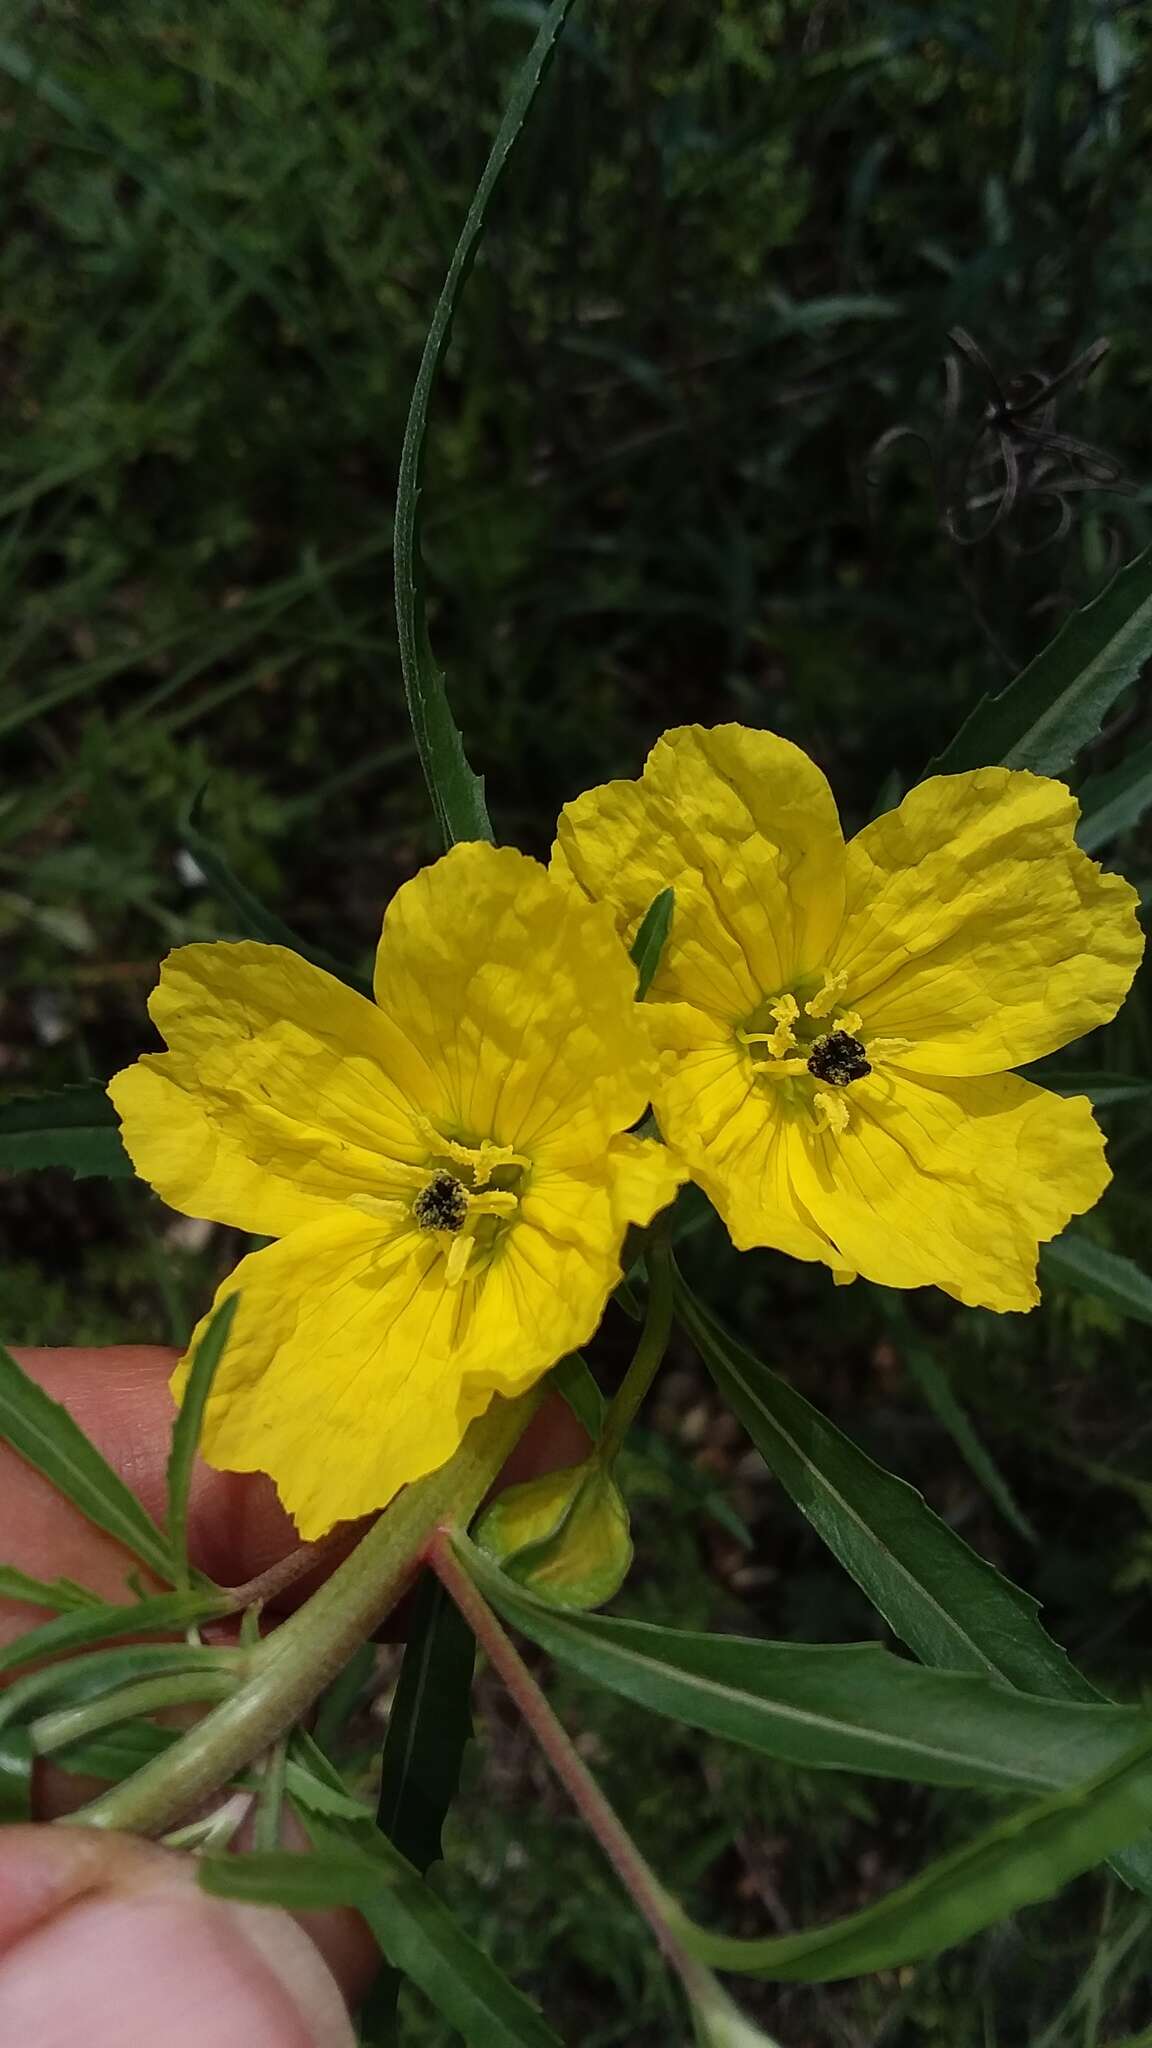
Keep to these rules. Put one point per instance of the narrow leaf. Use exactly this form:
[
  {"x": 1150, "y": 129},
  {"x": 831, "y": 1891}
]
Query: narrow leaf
[
  {"x": 842, "y": 1707},
  {"x": 416, "y": 1933},
  {"x": 44, "y": 1433},
  {"x": 99, "y": 1624},
  {"x": 1056, "y": 705},
  {"x": 1107, "y": 1275},
  {"x": 1113, "y": 803},
  {"x": 256, "y": 921},
  {"x": 75, "y": 1128},
  {"x": 951, "y": 1607},
  {"x": 457, "y": 794},
  {"x": 948, "y": 1604},
  {"x": 90, "y": 1677},
  {"x": 1018, "y": 1863},
  {"x": 651, "y": 939},
  {"x": 428, "y": 1727},
  {"x": 187, "y": 1428},
  {"x": 62, "y": 1594}
]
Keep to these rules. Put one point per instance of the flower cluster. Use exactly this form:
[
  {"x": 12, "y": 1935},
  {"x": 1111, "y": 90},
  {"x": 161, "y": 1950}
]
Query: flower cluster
[{"x": 449, "y": 1172}]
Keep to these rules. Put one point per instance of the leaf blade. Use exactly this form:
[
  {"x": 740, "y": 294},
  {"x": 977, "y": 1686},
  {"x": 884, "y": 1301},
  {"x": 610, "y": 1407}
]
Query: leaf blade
[
  {"x": 651, "y": 939},
  {"x": 44, "y": 1434},
  {"x": 186, "y": 1431},
  {"x": 1056, "y": 704},
  {"x": 851, "y": 1707},
  {"x": 72, "y": 1127}
]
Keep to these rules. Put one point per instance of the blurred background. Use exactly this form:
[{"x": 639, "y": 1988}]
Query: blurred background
[{"x": 746, "y": 415}]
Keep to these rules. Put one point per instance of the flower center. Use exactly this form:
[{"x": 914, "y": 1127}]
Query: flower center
[
  {"x": 839, "y": 1058},
  {"x": 442, "y": 1205},
  {"x": 795, "y": 1038}
]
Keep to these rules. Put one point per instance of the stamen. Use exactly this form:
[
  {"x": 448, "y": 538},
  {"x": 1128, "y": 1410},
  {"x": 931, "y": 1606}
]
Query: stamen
[
  {"x": 831, "y": 1113},
  {"x": 386, "y": 1206},
  {"x": 827, "y": 997},
  {"x": 459, "y": 1253},
  {"x": 888, "y": 1048},
  {"x": 483, "y": 1159},
  {"x": 851, "y": 1022}
]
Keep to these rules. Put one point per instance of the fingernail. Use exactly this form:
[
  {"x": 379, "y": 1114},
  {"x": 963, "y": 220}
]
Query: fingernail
[{"x": 176, "y": 1970}]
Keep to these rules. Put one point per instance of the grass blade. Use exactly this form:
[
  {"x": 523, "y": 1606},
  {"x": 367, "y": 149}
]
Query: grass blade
[{"x": 1107, "y": 1275}]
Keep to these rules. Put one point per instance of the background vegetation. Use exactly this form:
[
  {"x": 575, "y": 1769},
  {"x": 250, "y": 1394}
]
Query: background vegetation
[{"x": 667, "y": 480}]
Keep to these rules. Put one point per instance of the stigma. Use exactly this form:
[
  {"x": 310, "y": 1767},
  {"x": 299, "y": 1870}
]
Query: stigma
[
  {"x": 442, "y": 1204},
  {"x": 838, "y": 1058}
]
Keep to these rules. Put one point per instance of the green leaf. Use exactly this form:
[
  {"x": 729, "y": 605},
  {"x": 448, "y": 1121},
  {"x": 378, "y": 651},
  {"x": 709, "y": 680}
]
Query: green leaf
[
  {"x": 573, "y": 1378},
  {"x": 61, "y": 1594},
  {"x": 16, "y": 1761},
  {"x": 1056, "y": 705},
  {"x": 651, "y": 939},
  {"x": 187, "y": 1428},
  {"x": 44, "y": 1433},
  {"x": 429, "y": 1727},
  {"x": 1102, "y": 1090},
  {"x": 99, "y": 1624},
  {"x": 1023, "y": 1860},
  {"x": 90, "y": 1677},
  {"x": 416, "y": 1933},
  {"x": 1113, "y": 803},
  {"x": 457, "y": 794},
  {"x": 1107, "y": 1275},
  {"x": 841, "y": 1707},
  {"x": 75, "y": 1127},
  {"x": 951, "y": 1607},
  {"x": 257, "y": 922}
]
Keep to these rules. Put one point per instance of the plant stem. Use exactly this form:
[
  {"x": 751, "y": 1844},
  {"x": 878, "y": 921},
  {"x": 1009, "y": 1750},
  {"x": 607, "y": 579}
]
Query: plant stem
[
  {"x": 646, "y": 1358},
  {"x": 639, "y": 1880},
  {"x": 293, "y": 1665}
]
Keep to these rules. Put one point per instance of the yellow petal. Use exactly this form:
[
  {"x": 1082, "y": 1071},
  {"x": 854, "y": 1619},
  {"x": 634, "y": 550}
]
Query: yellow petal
[
  {"x": 743, "y": 826},
  {"x": 643, "y": 1178},
  {"x": 283, "y": 1093},
  {"x": 354, "y": 1366},
  {"x": 977, "y": 929},
  {"x": 519, "y": 997},
  {"x": 729, "y": 1130},
  {"x": 951, "y": 1184}
]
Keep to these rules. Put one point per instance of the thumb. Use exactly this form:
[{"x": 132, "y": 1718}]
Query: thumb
[{"x": 107, "y": 1940}]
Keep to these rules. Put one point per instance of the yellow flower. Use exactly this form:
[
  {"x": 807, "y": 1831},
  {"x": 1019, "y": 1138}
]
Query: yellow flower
[
  {"x": 446, "y": 1171},
  {"x": 835, "y": 1021}
]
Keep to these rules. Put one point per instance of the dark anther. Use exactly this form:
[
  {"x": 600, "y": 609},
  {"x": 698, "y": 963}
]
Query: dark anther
[
  {"x": 838, "y": 1058},
  {"x": 442, "y": 1205}
]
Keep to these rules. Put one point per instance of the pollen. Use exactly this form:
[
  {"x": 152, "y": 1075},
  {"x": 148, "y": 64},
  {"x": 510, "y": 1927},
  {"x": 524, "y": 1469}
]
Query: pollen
[
  {"x": 838, "y": 1058},
  {"x": 442, "y": 1205}
]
